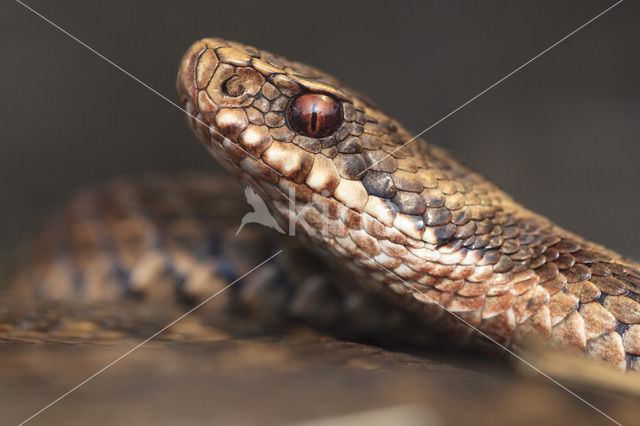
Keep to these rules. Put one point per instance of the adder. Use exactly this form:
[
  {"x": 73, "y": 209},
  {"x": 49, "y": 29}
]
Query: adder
[{"x": 383, "y": 237}]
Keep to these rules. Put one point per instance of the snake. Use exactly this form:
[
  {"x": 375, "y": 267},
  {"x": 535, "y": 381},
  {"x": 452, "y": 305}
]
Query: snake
[{"x": 379, "y": 233}]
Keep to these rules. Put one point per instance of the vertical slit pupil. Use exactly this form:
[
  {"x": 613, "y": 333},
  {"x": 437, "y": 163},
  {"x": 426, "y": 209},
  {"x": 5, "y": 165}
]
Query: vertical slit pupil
[{"x": 314, "y": 115}]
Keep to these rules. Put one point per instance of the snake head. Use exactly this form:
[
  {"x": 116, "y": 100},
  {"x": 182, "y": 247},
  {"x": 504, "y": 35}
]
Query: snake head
[
  {"x": 283, "y": 125},
  {"x": 284, "y": 116},
  {"x": 291, "y": 125}
]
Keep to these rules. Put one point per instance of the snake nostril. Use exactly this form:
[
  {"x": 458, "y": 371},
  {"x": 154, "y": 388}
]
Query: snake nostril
[{"x": 234, "y": 86}]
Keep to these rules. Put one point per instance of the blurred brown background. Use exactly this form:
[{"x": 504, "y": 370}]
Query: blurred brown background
[{"x": 561, "y": 135}]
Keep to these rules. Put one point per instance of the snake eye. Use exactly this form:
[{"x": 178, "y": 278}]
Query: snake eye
[{"x": 314, "y": 115}]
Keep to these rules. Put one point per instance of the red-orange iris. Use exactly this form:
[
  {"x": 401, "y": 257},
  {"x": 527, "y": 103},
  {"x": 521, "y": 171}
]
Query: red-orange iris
[{"x": 314, "y": 115}]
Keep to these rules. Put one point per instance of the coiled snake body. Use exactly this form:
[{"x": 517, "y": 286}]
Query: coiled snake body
[{"x": 414, "y": 235}]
